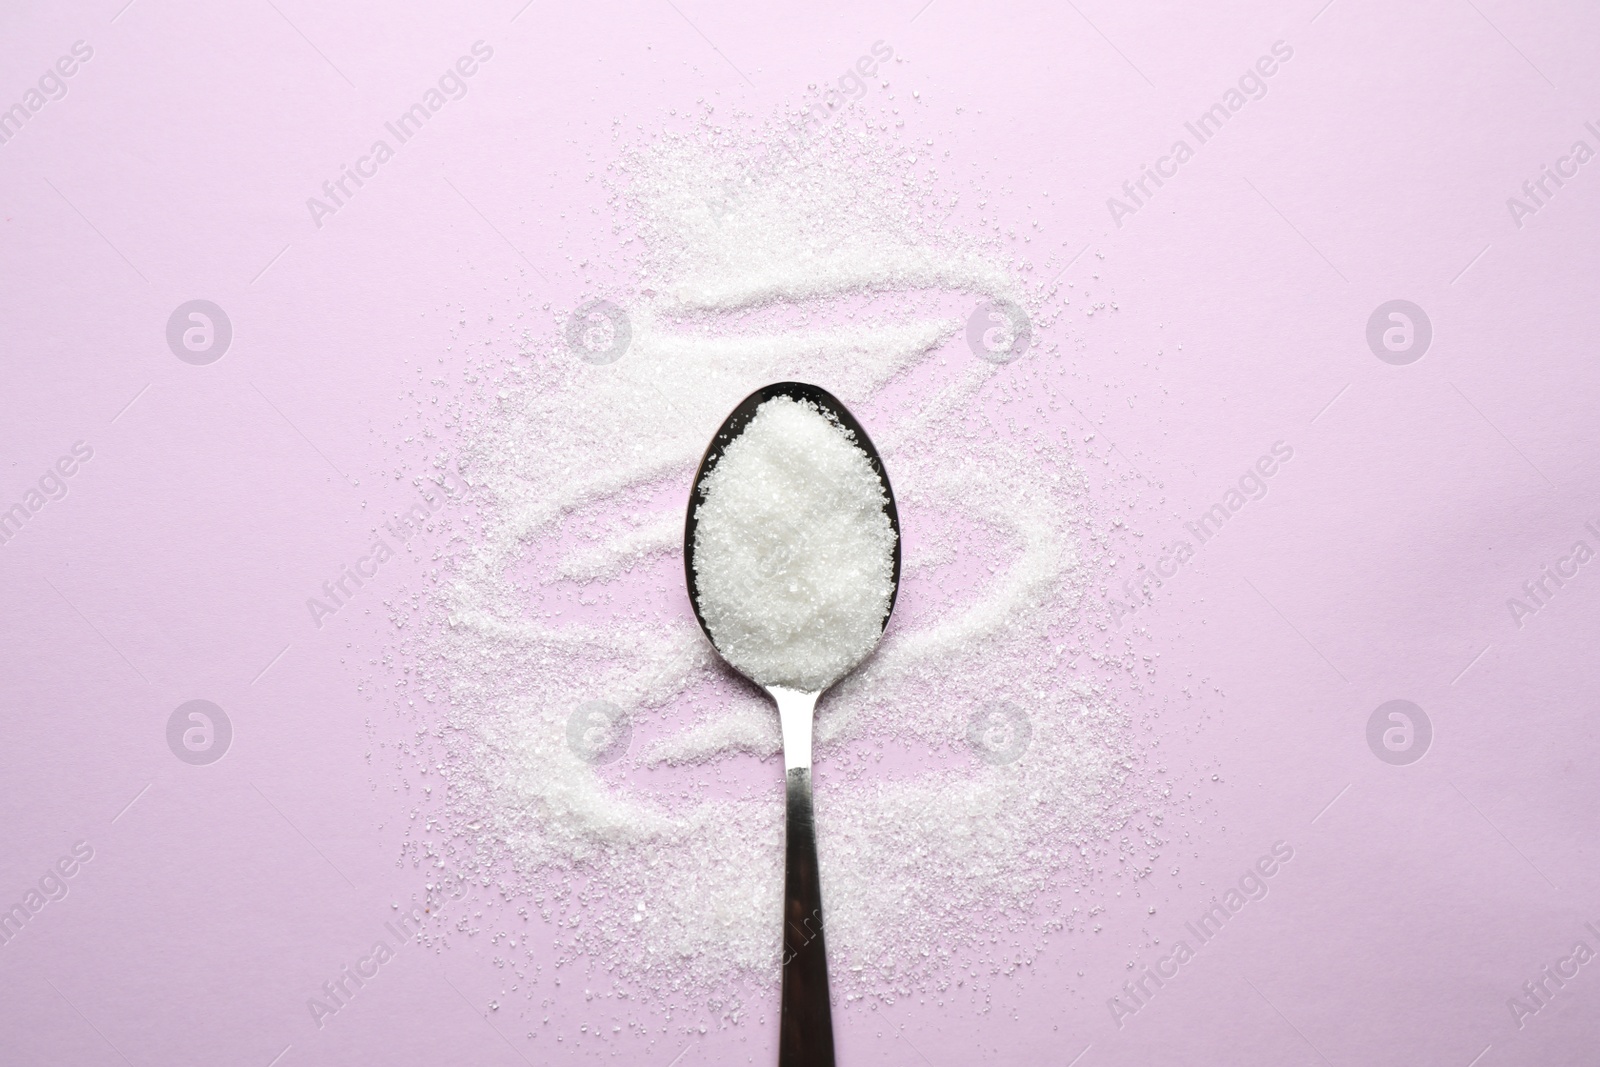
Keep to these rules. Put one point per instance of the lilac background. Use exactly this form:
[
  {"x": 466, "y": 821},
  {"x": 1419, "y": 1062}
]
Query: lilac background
[{"x": 218, "y": 498}]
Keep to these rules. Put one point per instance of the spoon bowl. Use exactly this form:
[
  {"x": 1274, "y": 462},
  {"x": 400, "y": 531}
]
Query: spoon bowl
[
  {"x": 733, "y": 426},
  {"x": 805, "y": 1035}
]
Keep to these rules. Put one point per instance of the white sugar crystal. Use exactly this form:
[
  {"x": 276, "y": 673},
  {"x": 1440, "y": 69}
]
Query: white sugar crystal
[{"x": 794, "y": 553}]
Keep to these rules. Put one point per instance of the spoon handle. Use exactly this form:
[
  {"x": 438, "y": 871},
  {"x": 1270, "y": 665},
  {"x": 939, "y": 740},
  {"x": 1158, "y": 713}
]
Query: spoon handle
[{"x": 805, "y": 1035}]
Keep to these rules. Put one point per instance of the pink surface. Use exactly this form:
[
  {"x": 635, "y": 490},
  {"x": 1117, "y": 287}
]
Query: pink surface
[{"x": 1420, "y": 497}]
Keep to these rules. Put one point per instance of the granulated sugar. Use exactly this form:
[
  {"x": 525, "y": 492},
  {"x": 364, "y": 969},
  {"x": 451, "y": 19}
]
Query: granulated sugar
[
  {"x": 793, "y": 551},
  {"x": 762, "y": 256}
]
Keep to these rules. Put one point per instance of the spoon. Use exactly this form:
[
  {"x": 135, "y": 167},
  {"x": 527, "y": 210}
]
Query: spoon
[{"x": 805, "y": 1033}]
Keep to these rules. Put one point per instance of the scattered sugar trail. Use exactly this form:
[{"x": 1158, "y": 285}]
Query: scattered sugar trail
[{"x": 683, "y": 889}]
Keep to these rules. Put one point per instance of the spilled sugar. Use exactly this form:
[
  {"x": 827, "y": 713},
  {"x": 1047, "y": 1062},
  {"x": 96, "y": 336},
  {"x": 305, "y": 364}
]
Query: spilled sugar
[
  {"x": 793, "y": 551},
  {"x": 655, "y": 873}
]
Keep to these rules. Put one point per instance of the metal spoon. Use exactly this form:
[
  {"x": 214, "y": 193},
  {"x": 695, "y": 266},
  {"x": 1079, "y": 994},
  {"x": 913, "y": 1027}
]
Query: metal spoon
[{"x": 805, "y": 1033}]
